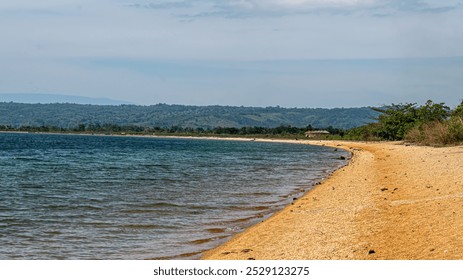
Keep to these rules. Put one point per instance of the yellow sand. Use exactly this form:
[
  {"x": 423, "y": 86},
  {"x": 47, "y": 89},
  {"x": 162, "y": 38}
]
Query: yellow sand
[{"x": 391, "y": 202}]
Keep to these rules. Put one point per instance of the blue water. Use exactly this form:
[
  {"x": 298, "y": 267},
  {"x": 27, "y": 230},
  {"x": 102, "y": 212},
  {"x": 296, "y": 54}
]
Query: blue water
[{"x": 103, "y": 197}]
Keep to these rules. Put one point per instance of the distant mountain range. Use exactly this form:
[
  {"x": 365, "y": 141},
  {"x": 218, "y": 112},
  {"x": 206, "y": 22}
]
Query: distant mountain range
[
  {"x": 66, "y": 115},
  {"x": 57, "y": 98}
]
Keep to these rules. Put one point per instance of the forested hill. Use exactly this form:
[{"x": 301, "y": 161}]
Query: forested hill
[{"x": 67, "y": 115}]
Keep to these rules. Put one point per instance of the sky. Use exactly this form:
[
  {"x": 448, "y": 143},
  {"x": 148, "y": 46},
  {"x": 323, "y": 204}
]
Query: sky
[{"x": 289, "y": 53}]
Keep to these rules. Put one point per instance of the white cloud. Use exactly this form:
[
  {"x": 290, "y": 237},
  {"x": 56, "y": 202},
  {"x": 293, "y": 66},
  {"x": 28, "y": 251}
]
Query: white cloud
[
  {"x": 314, "y": 3},
  {"x": 254, "y": 8},
  {"x": 294, "y": 6}
]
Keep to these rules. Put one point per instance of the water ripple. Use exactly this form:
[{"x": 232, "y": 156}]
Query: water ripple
[{"x": 97, "y": 197}]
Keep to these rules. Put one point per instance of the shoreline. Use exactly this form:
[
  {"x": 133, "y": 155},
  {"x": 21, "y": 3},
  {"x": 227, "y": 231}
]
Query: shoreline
[{"x": 391, "y": 202}]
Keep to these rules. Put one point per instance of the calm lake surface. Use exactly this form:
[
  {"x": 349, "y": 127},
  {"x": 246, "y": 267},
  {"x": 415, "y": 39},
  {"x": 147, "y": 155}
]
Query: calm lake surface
[{"x": 102, "y": 197}]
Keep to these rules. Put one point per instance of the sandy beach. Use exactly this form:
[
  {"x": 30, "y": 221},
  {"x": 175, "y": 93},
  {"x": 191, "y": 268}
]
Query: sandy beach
[{"x": 392, "y": 201}]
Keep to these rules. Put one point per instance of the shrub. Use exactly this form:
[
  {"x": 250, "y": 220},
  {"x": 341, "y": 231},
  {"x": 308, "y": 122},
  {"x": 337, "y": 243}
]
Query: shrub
[
  {"x": 430, "y": 134},
  {"x": 415, "y": 135},
  {"x": 455, "y": 126},
  {"x": 437, "y": 133}
]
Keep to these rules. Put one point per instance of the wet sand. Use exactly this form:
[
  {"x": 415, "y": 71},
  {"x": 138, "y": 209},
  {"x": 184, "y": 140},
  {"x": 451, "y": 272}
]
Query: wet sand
[{"x": 391, "y": 202}]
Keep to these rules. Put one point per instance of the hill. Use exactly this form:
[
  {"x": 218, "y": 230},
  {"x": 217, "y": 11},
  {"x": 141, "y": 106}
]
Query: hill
[{"x": 68, "y": 115}]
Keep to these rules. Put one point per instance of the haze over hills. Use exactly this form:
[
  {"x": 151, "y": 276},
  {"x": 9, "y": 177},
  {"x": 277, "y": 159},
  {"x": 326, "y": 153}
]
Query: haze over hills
[
  {"x": 57, "y": 98},
  {"x": 66, "y": 115}
]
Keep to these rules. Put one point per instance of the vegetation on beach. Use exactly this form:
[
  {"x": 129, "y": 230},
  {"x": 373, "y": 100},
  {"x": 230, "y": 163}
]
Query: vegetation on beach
[{"x": 433, "y": 124}]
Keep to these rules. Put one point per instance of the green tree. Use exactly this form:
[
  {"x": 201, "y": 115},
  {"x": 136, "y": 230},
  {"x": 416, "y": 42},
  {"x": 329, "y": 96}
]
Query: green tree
[
  {"x": 433, "y": 112},
  {"x": 458, "y": 111},
  {"x": 396, "y": 120}
]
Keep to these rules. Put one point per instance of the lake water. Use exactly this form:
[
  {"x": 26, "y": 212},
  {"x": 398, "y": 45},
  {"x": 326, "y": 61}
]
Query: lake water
[{"x": 103, "y": 197}]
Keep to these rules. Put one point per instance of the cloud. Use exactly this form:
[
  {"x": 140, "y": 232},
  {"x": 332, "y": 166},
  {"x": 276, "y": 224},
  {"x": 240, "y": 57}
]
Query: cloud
[
  {"x": 305, "y": 3},
  {"x": 197, "y": 9},
  {"x": 394, "y": 7},
  {"x": 162, "y": 5},
  {"x": 291, "y": 6},
  {"x": 269, "y": 8}
]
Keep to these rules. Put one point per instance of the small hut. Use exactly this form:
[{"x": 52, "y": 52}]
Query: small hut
[{"x": 316, "y": 133}]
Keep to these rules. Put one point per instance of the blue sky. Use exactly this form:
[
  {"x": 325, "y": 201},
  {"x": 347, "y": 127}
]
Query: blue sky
[{"x": 291, "y": 53}]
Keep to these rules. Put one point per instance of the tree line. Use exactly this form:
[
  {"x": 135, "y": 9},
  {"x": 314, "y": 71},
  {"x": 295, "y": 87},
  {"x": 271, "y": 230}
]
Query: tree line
[{"x": 282, "y": 130}]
